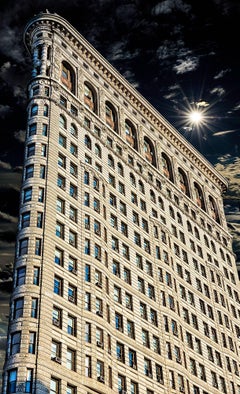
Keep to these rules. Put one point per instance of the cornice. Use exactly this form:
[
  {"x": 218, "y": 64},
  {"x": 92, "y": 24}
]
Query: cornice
[{"x": 55, "y": 23}]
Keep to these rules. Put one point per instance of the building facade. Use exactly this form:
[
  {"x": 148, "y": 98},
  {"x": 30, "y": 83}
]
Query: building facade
[{"x": 125, "y": 280}]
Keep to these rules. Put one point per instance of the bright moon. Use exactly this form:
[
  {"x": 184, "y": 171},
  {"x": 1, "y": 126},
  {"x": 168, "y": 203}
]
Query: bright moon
[{"x": 195, "y": 117}]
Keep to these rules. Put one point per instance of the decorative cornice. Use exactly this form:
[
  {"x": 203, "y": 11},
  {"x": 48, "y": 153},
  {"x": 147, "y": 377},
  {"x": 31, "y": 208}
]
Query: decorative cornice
[{"x": 55, "y": 23}]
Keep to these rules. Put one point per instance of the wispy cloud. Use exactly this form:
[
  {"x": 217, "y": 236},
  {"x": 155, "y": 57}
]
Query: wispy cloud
[
  {"x": 219, "y": 91},
  {"x": 185, "y": 65},
  {"x": 168, "y": 6}
]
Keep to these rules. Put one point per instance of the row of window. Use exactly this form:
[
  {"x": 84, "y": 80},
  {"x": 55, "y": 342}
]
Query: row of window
[{"x": 149, "y": 151}]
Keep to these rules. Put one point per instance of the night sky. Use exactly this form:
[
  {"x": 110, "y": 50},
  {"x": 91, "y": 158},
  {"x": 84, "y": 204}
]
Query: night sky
[{"x": 180, "y": 55}]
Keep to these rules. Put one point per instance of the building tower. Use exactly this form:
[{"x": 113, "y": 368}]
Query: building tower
[{"x": 125, "y": 280}]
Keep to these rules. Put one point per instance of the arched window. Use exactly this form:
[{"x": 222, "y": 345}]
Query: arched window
[
  {"x": 167, "y": 167},
  {"x": 34, "y": 110},
  {"x": 189, "y": 227},
  {"x": 120, "y": 169},
  {"x": 196, "y": 233},
  {"x": 171, "y": 211},
  {"x": 98, "y": 151},
  {"x": 149, "y": 152},
  {"x": 213, "y": 209},
  {"x": 62, "y": 122},
  {"x": 161, "y": 203},
  {"x": 87, "y": 142},
  {"x": 132, "y": 180},
  {"x": 90, "y": 97},
  {"x": 206, "y": 241},
  {"x": 131, "y": 135},
  {"x": 213, "y": 247},
  {"x": 73, "y": 130},
  {"x": 141, "y": 186},
  {"x": 152, "y": 196},
  {"x": 222, "y": 254},
  {"x": 183, "y": 182},
  {"x": 179, "y": 218},
  {"x": 111, "y": 116},
  {"x": 110, "y": 161},
  {"x": 229, "y": 260},
  {"x": 199, "y": 196},
  {"x": 68, "y": 76}
]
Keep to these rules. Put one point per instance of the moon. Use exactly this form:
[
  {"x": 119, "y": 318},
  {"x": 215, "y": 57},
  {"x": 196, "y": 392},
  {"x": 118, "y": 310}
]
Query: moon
[{"x": 195, "y": 117}]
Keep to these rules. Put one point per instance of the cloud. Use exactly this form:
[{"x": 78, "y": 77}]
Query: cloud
[
  {"x": 168, "y": 6},
  {"x": 9, "y": 218},
  {"x": 185, "y": 65},
  {"x": 20, "y": 135},
  {"x": 222, "y": 73},
  {"x": 219, "y": 91},
  {"x": 202, "y": 103},
  {"x": 224, "y": 132},
  {"x": 4, "y": 110},
  {"x": 5, "y": 166}
]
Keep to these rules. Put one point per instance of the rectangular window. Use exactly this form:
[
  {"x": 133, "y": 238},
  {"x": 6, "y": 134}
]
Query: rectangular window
[
  {"x": 12, "y": 381},
  {"x": 15, "y": 342},
  {"x": 29, "y": 380},
  {"x": 18, "y": 308},
  {"x": 20, "y": 276},
  {"x": 32, "y": 343}
]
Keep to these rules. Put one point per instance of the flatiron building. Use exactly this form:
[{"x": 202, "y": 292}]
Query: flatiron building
[{"x": 125, "y": 280}]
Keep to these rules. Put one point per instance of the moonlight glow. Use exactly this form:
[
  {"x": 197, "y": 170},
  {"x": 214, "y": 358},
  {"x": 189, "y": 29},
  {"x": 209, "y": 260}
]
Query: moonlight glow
[{"x": 195, "y": 117}]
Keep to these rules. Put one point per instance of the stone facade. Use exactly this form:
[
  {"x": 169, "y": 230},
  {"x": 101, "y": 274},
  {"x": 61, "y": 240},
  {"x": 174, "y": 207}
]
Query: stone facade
[{"x": 125, "y": 280}]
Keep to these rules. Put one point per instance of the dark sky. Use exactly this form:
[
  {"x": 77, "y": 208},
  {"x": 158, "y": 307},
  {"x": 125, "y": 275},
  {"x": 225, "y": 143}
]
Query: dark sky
[{"x": 179, "y": 54}]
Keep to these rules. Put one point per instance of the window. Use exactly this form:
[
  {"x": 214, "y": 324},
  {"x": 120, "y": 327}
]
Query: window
[
  {"x": 38, "y": 247},
  {"x": 145, "y": 338},
  {"x": 45, "y": 110},
  {"x": 29, "y": 381},
  {"x": 36, "y": 274},
  {"x": 61, "y": 182},
  {"x": 87, "y": 301},
  {"x": 34, "y": 110},
  {"x": 20, "y": 276},
  {"x": 100, "y": 371},
  {"x": 18, "y": 308},
  {"x": 120, "y": 352},
  {"x": 58, "y": 285},
  {"x": 72, "y": 293},
  {"x": 147, "y": 367},
  {"x": 54, "y": 386},
  {"x": 143, "y": 310},
  {"x": 60, "y": 230},
  {"x": 43, "y": 150},
  {"x": 15, "y": 342},
  {"x": 32, "y": 129},
  {"x": 88, "y": 332},
  {"x": 73, "y": 238},
  {"x": 73, "y": 149},
  {"x": 128, "y": 301},
  {"x": 121, "y": 384},
  {"x": 62, "y": 140},
  {"x": 23, "y": 246},
  {"x": 73, "y": 191},
  {"x": 29, "y": 171},
  {"x": 130, "y": 329},
  {"x": 117, "y": 294},
  {"x": 12, "y": 381},
  {"x": 88, "y": 367},
  {"x": 71, "y": 389},
  {"x": 32, "y": 342},
  {"x": 119, "y": 321},
  {"x": 71, "y": 359},
  {"x": 89, "y": 97},
  {"x": 30, "y": 150},
  {"x": 34, "y": 308}
]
